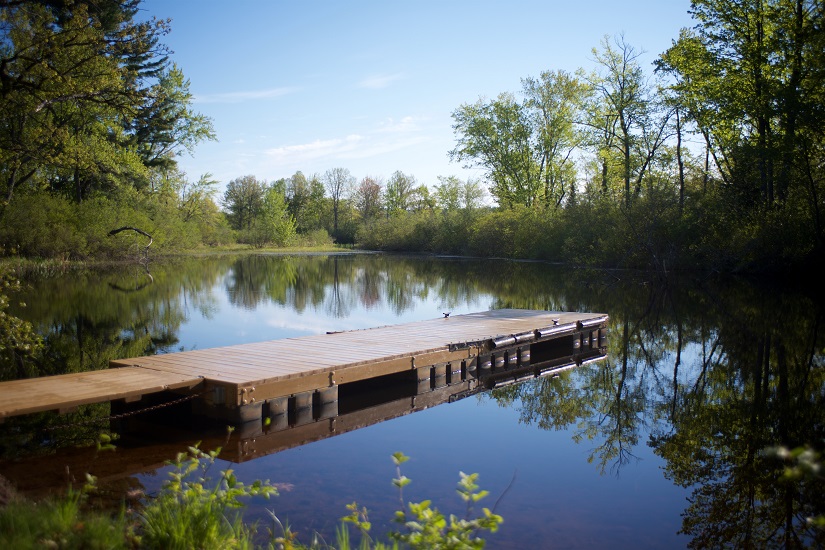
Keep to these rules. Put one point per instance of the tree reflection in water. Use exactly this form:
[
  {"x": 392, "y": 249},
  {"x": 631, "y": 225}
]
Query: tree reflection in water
[{"x": 716, "y": 374}]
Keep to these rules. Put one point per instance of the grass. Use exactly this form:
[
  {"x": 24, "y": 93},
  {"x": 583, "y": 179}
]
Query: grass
[{"x": 61, "y": 523}]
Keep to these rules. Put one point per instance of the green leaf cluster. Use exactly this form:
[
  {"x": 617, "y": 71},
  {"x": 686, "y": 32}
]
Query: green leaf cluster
[{"x": 19, "y": 341}]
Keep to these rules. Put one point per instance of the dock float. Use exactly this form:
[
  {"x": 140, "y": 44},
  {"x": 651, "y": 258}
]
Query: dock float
[{"x": 295, "y": 381}]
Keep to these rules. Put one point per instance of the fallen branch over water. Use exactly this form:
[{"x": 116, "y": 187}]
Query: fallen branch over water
[{"x": 136, "y": 230}]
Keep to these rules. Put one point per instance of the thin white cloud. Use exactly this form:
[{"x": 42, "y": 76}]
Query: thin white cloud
[
  {"x": 378, "y": 81},
  {"x": 405, "y": 125},
  {"x": 314, "y": 150},
  {"x": 240, "y": 97},
  {"x": 377, "y": 148},
  {"x": 388, "y": 136}
]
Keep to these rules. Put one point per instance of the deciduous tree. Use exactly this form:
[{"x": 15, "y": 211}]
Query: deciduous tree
[
  {"x": 498, "y": 136},
  {"x": 87, "y": 97},
  {"x": 277, "y": 224},
  {"x": 305, "y": 198},
  {"x": 368, "y": 198},
  {"x": 626, "y": 127},
  {"x": 339, "y": 184},
  {"x": 244, "y": 201},
  {"x": 555, "y": 100},
  {"x": 398, "y": 193}
]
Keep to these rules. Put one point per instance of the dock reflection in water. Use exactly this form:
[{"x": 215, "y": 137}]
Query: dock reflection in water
[{"x": 150, "y": 439}]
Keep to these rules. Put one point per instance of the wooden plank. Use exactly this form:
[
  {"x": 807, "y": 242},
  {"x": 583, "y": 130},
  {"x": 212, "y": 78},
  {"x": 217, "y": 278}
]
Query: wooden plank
[
  {"x": 218, "y": 366},
  {"x": 71, "y": 390}
]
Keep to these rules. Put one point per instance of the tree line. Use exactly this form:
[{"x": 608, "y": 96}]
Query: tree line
[
  {"x": 712, "y": 157},
  {"x": 336, "y": 205},
  {"x": 95, "y": 116}
]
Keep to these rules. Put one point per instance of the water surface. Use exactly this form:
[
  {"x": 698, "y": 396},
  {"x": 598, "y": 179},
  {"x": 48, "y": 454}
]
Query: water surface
[{"x": 660, "y": 445}]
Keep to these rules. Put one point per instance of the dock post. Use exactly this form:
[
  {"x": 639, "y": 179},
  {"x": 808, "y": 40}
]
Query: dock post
[
  {"x": 248, "y": 413},
  {"x": 301, "y": 408},
  {"x": 499, "y": 360},
  {"x": 278, "y": 413},
  {"x": 485, "y": 365},
  {"x": 325, "y": 403},
  {"x": 423, "y": 378},
  {"x": 469, "y": 368},
  {"x": 439, "y": 375}
]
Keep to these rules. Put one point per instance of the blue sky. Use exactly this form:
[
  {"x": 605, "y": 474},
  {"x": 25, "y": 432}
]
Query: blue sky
[{"x": 370, "y": 86}]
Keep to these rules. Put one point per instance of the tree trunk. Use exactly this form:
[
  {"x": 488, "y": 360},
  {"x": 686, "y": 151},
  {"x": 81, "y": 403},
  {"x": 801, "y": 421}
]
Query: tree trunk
[
  {"x": 681, "y": 163},
  {"x": 791, "y": 104}
]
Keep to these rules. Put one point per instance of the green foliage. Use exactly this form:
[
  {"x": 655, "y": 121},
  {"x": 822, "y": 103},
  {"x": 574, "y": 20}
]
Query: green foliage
[
  {"x": 498, "y": 137},
  {"x": 272, "y": 225},
  {"x": 42, "y": 226},
  {"x": 18, "y": 339},
  {"x": 165, "y": 124},
  {"x": 750, "y": 77},
  {"x": 367, "y": 198},
  {"x": 61, "y": 523},
  {"x": 188, "y": 514},
  {"x": 340, "y": 184},
  {"x": 305, "y": 201},
  {"x": 398, "y": 193},
  {"x": 398, "y": 233},
  {"x": 554, "y": 101},
  {"x": 244, "y": 201},
  {"x": 448, "y": 193},
  {"x": 93, "y": 120},
  {"x": 312, "y": 239},
  {"x": 524, "y": 146},
  {"x": 426, "y": 527},
  {"x": 90, "y": 104},
  {"x": 626, "y": 126},
  {"x": 180, "y": 215}
]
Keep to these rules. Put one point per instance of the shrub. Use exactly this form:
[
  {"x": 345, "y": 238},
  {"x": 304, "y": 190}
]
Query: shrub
[
  {"x": 187, "y": 514},
  {"x": 314, "y": 238}
]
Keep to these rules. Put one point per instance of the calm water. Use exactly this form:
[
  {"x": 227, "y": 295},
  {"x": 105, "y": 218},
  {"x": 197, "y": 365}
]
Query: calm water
[{"x": 660, "y": 445}]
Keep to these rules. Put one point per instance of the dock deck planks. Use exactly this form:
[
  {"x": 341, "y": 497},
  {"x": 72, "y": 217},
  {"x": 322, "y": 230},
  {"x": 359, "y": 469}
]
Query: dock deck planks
[
  {"x": 286, "y": 366},
  {"x": 66, "y": 391}
]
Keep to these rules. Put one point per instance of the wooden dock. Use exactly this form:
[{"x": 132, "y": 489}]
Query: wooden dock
[
  {"x": 295, "y": 379},
  {"x": 150, "y": 440}
]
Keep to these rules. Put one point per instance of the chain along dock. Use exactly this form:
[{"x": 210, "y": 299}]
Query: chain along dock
[{"x": 298, "y": 381}]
